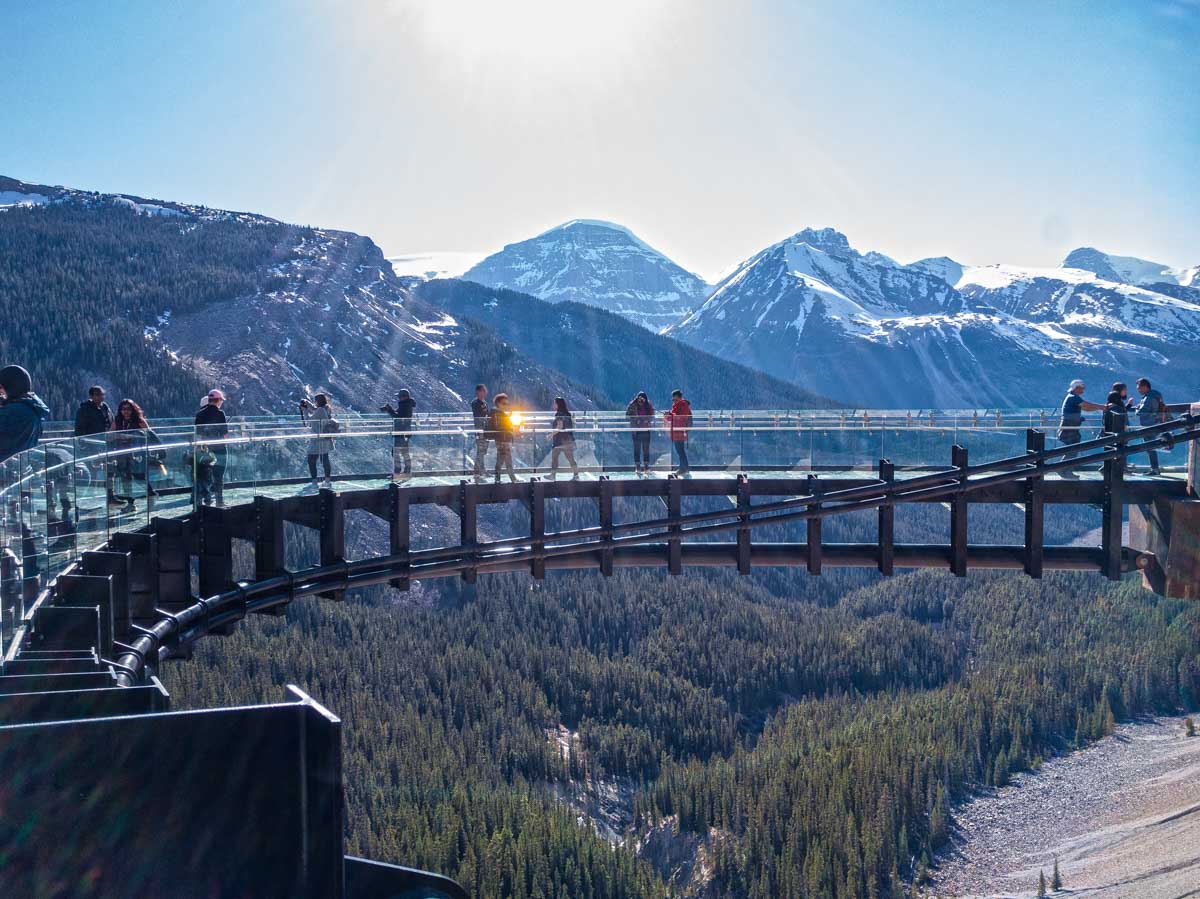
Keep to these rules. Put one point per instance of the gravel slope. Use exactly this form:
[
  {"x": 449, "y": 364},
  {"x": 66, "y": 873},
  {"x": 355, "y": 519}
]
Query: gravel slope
[{"x": 1122, "y": 817}]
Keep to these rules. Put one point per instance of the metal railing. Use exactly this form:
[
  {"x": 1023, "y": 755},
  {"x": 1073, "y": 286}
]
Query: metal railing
[
  {"x": 70, "y": 494},
  {"x": 174, "y": 631}
]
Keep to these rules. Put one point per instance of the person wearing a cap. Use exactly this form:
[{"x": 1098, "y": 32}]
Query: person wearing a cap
[
  {"x": 212, "y": 425},
  {"x": 1071, "y": 427},
  {"x": 21, "y": 412}
]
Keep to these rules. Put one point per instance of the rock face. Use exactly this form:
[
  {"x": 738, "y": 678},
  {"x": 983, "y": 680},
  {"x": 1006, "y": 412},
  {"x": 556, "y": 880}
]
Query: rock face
[
  {"x": 600, "y": 264},
  {"x": 339, "y": 320},
  {"x": 866, "y": 330}
]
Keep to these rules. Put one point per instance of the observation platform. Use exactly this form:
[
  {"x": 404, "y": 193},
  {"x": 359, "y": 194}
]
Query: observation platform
[{"x": 118, "y": 554}]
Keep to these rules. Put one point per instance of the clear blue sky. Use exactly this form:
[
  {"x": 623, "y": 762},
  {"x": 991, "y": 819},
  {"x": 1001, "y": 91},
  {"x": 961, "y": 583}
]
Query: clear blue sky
[{"x": 987, "y": 131}]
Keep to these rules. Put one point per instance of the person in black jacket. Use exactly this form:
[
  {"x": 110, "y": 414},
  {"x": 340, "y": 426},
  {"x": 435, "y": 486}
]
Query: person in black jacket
[
  {"x": 479, "y": 411},
  {"x": 402, "y": 428},
  {"x": 211, "y": 425},
  {"x": 94, "y": 416},
  {"x": 503, "y": 429},
  {"x": 640, "y": 413},
  {"x": 564, "y": 439}
]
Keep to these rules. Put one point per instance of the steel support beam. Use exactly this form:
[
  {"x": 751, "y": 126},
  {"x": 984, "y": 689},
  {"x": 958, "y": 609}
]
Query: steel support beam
[
  {"x": 333, "y": 535},
  {"x": 743, "y": 534},
  {"x": 399, "y": 530},
  {"x": 468, "y": 525},
  {"x": 1035, "y": 443},
  {"x": 958, "y": 516},
  {"x": 606, "y": 523},
  {"x": 674, "y": 510},
  {"x": 887, "y": 522},
  {"x": 814, "y": 528},
  {"x": 537, "y": 528},
  {"x": 1113, "y": 508}
]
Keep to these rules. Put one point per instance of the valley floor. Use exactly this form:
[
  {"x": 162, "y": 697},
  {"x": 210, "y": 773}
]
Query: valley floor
[{"x": 1122, "y": 817}]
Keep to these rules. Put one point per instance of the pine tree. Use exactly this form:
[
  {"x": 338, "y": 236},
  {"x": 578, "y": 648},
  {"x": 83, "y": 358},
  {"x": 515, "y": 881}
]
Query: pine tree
[
  {"x": 1041, "y": 884},
  {"x": 1189, "y": 727},
  {"x": 1056, "y": 883}
]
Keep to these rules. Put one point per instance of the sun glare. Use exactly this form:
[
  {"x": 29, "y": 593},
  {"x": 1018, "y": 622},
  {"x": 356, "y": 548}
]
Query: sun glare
[{"x": 558, "y": 36}]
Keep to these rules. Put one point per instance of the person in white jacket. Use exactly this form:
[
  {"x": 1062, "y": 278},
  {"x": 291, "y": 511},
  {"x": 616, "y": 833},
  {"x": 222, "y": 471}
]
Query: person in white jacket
[{"x": 319, "y": 416}]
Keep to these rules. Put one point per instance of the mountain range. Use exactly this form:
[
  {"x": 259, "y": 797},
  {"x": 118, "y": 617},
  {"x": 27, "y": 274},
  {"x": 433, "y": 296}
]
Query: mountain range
[
  {"x": 158, "y": 301},
  {"x": 869, "y": 331},
  {"x": 274, "y": 311}
]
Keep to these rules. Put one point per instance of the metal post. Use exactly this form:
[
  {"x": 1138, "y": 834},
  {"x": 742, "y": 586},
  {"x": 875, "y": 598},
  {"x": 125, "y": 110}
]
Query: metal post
[
  {"x": 674, "y": 510},
  {"x": 887, "y": 521},
  {"x": 537, "y": 528},
  {"x": 606, "y": 523},
  {"x": 216, "y": 552},
  {"x": 743, "y": 534},
  {"x": 468, "y": 521},
  {"x": 814, "y": 529},
  {"x": 1113, "y": 509},
  {"x": 333, "y": 535},
  {"x": 270, "y": 550},
  {"x": 398, "y": 531},
  {"x": 958, "y": 516},
  {"x": 1035, "y": 442}
]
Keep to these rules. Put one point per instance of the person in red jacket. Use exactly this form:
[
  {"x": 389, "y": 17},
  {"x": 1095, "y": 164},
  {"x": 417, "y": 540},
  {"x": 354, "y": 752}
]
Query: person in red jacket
[{"x": 679, "y": 421}]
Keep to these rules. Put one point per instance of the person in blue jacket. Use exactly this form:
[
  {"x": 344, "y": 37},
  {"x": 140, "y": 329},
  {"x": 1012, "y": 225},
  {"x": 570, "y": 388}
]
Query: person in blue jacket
[
  {"x": 1071, "y": 427},
  {"x": 1150, "y": 411},
  {"x": 21, "y": 412}
]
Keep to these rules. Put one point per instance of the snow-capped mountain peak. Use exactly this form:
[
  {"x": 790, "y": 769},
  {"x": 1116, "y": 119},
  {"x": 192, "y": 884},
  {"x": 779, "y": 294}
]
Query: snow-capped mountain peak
[
  {"x": 942, "y": 267},
  {"x": 862, "y": 328},
  {"x": 599, "y": 263},
  {"x": 1129, "y": 269}
]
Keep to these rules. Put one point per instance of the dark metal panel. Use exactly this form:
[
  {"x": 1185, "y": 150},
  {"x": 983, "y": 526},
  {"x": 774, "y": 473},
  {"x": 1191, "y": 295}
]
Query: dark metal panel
[
  {"x": 814, "y": 528},
  {"x": 1113, "y": 511},
  {"x": 1035, "y": 442},
  {"x": 216, "y": 552},
  {"x": 958, "y": 516},
  {"x": 130, "y": 828},
  {"x": 887, "y": 521},
  {"x": 743, "y": 534},
  {"x": 93, "y": 591},
  {"x": 174, "y": 562},
  {"x": 114, "y": 565},
  {"x": 142, "y": 548},
  {"x": 398, "y": 530},
  {"x": 333, "y": 535},
  {"x": 270, "y": 544},
  {"x": 537, "y": 528},
  {"x": 674, "y": 509},
  {"x": 469, "y": 522},
  {"x": 605, "y": 500}
]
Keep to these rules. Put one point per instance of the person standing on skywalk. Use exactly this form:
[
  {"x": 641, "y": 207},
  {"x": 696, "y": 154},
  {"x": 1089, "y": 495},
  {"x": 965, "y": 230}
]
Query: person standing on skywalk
[
  {"x": 640, "y": 413},
  {"x": 402, "y": 427},
  {"x": 679, "y": 422},
  {"x": 1071, "y": 426},
  {"x": 319, "y": 416},
  {"x": 1150, "y": 410}
]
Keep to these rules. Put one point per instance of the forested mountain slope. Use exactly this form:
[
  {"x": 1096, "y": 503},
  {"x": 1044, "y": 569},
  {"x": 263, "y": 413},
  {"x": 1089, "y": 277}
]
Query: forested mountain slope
[{"x": 812, "y": 750}]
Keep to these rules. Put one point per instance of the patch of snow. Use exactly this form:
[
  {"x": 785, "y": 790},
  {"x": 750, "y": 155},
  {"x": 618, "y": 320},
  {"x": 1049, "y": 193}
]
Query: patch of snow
[{"x": 11, "y": 198}]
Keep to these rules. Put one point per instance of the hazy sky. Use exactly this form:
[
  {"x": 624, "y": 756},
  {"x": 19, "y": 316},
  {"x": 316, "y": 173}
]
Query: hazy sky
[{"x": 986, "y": 131}]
